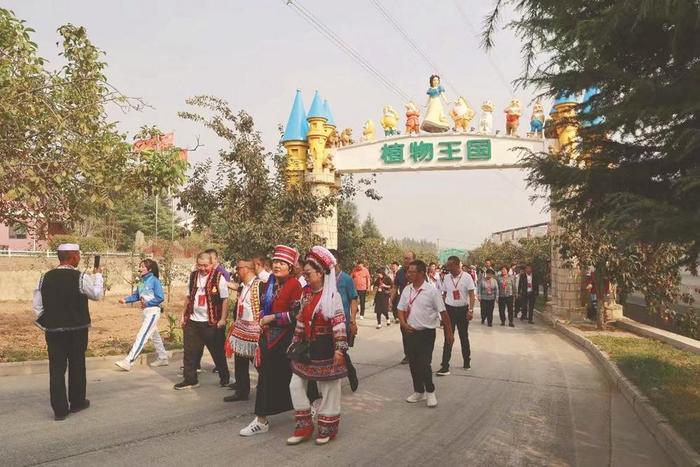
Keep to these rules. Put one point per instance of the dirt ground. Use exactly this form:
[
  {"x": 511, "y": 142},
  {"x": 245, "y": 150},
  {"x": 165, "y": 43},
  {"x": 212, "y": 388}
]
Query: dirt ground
[{"x": 113, "y": 330}]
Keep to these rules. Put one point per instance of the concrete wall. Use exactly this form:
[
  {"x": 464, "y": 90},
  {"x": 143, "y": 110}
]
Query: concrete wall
[{"x": 19, "y": 275}]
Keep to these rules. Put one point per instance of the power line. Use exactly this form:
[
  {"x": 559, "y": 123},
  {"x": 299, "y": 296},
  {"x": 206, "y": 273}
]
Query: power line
[
  {"x": 409, "y": 39},
  {"x": 314, "y": 21},
  {"x": 493, "y": 64}
]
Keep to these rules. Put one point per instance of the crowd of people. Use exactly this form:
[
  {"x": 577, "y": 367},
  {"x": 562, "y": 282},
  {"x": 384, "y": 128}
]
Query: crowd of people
[{"x": 294, "y": 318}]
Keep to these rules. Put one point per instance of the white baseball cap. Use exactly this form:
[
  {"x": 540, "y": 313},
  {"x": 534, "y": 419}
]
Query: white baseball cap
[{"x": 68, "y": 247}]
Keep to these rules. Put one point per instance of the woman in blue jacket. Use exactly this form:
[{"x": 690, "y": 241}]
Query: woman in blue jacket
[{"x": 149, "y": 292}]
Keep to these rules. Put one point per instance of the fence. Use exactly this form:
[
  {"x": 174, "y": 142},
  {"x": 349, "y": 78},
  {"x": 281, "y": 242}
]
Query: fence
[{"x": 9, "y": 253}]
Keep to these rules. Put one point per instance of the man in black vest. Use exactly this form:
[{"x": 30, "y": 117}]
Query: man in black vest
[{"x": 61, "y": 305}]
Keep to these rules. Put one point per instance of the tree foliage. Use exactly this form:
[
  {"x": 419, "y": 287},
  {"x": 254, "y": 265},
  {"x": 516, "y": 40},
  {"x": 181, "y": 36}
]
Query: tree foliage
[
  {"x": 243, "y": 197},
  {"x": 535, "y": 251},
  {"x": 627, "y": 193},
  {"x": 60, "y": 159}
]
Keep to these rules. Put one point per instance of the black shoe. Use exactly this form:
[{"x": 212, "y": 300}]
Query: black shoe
[
  {"x": 233, "y": 386},
  {"x": 503, "y": 323},
  {"x": 215, "y": 370},
  {"x": 404, "y": 361},
  {"x": 236, "y": 396},
  {"x": 185, "y": 385},
  {"x": 490, "y": 325},
  {"x": 83, "y": 406},
  {"x": 530, "y": 321},
  {"x": 60, "y": 418},
  {"x": 467, "y": 365},
  {"x": 224, "y": 384},
  {"x": 444, "y": 371},
  {"x": 482, "y": 321},
  {"x": 511, "y": 325}
]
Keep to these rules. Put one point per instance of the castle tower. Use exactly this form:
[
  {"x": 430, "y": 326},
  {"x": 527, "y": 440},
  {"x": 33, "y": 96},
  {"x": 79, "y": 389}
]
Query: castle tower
[
  {"x": 294, "y": 141},
  {"x": 565, "y": 120},
  {"x": 318, "y": 133}
]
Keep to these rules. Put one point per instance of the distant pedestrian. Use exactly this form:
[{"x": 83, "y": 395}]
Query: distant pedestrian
[
  {"x": 506, "y": 292},
  {"x": 459, "y": 294},
  {"x": 420, "y": 309},
  {"x": 218, "y": 266},
  {"x": 400, "y": 284},
  {"x": 362, "y": 279},
  {"x": 259, "y": 266},
  {"x": 393, "y": 268},
  {"x": 529, "y": 289},
  {"x": 382, "y": 289},
  {"x": 149, "y": 294},
  {"x": 60, "y": 303},
  {"x": 488, "y": 295}
]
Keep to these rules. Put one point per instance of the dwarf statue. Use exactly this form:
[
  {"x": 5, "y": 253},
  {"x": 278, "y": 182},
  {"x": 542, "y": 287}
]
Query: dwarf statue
[
  {"x": 412, "y": 119},
  {"x": 389, "y": 121},
  {"x": 368, "y": 131},
  {"x": 537, "y": 120},
  {"x": 346, "y": 137},
  {"x": 486, "y": 120},
  {"x": 462, "y": 114},
  {"x": 512, "y": 117}
]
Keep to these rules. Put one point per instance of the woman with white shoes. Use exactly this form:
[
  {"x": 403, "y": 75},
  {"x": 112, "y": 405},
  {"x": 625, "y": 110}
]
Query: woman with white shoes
[
  {"x": 318, "y": 350},
  {"x": 149, "y": 292}
]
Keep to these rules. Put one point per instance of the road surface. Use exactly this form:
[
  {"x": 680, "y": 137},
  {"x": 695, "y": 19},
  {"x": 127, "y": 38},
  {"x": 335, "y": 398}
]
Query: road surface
[{"x": 531, "y": 398}]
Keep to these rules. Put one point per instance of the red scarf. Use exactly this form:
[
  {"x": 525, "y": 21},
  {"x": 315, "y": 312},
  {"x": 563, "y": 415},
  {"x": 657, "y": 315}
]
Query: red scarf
[{"x": 307, "y": 314}]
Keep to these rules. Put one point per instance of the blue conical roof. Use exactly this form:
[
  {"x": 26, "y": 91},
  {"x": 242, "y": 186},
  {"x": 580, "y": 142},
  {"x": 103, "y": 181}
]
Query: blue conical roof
[
  {"x": 328, "y": 114},
  {"x": 297, "y": 126},
  {"x": 587, "y": 95},
  {"x": 317, "y": 107},
  {"x": 567, "y": 98}
]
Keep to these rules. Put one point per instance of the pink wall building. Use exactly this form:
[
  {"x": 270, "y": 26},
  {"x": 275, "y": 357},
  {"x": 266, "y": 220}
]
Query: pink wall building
[{"x": 16, "y": 237}]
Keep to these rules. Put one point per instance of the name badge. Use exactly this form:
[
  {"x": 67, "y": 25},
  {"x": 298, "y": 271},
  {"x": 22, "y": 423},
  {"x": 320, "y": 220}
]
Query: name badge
[
  {"x": 455, "y": 294},
  {"x": 201, "y": 300}
]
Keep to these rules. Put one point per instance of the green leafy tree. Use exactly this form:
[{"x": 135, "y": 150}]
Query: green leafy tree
[
  {"x": 627, "y": 193},
  {"x": 61, "y": 160},
  {"x": 370, "y": 229},
  {"x": 349, "y": 233},
  {"x": 245, "y": 202}
]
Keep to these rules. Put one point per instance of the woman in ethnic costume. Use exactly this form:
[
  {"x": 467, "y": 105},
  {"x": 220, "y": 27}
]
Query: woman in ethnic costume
[
  {"x": 321, "y": 322},
  {"x": 280, "y": 305}
]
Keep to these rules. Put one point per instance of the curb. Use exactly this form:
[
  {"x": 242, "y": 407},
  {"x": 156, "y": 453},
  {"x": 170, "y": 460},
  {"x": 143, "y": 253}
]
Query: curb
[
  {"x": 671, "y": 442},
  {"x": 38, "y": 367},
  {"x": 679, "y": 342}
]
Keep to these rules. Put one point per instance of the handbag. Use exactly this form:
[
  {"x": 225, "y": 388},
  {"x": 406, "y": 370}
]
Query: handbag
[{"x": 299, "y": 352}]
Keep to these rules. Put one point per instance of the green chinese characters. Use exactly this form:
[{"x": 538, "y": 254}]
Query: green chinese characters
[{"x": 449, "y": 151}]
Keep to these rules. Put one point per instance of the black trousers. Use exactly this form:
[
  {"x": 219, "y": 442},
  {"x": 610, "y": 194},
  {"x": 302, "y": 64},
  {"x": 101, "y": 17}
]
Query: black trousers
[
  {"x": 518, "y": 305},
  {"x": 419, "y": 348},
  {"x": 381, "y": 306},
  {"x": 197, "y": 335},
  {"x": 503, "y": 303},
  {"x": 362, "y": 295},
  {"x": 487, "y": 310},
  {"x": 529, "y": 305},
  {"x": 458, "y": 318},
  {"x": 240, "y": 372},
  {"x": 67, "y": 349}
]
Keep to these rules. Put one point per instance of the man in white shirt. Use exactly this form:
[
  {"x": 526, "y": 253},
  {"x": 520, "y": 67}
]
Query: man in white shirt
[
  {"x": 457, "y": 288},
  {"x": 204, "y": 321},
  {"x": 60, "y": 303},
  {"x": 259, "y": 267},
  {"x": 420, "y": 309}
]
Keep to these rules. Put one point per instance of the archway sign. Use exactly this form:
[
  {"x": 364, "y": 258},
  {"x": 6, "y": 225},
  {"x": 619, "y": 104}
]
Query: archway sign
[
  {"x": 318, "y": 153},
  {"x": 451, "y": 151}
]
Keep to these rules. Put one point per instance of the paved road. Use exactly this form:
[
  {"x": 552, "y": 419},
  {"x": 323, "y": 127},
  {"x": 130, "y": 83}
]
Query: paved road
[{"x": 531, "y": 398}]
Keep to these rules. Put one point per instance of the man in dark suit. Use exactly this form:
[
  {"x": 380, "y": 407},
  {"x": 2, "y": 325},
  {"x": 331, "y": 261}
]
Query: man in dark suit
[{"x": 528, "y": 287}]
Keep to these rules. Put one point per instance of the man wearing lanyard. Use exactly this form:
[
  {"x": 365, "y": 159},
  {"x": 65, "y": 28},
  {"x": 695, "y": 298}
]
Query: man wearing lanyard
[
  {"x": 245, "y": 331},
  {"x": 420, "y": 309},
  {"x": 457, "y": 286},
  {"x": 528, "y": 288}
]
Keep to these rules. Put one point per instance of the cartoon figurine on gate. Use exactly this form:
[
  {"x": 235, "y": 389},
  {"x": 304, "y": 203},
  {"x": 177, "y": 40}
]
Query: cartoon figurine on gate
[
  {"x": 512, "y": 117},
  {"x": 486, "y": 120},
  {"x": 537, "y": 121},
  {"x": 389, "y": 121},
  {"x": 368, "y": 131},
  {"x": 412, "y": 119},
  {"x": 461, "y": 114},
  {"x": 346, "y": 137}
]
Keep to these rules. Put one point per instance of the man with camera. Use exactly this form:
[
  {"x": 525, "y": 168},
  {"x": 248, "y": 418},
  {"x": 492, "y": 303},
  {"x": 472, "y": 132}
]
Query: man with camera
[{"x": 61, "y": 305}]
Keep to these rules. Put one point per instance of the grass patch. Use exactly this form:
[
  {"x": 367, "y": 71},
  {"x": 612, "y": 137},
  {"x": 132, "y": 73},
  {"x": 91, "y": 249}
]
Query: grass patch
[{"x": 669, "y": 377}]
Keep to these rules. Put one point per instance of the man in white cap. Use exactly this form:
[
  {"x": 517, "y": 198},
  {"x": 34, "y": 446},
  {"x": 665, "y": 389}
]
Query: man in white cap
[{"x": 61, "y": 306}]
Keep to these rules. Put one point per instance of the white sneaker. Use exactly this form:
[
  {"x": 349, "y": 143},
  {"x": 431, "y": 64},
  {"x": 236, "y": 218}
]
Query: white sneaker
[
  {"x": 255, "y": 428},
  {"x": 123, "y": 364},
  {"x": 362, "y": 317},
  {"x": 379, "y": 326},
  {"x": 160, "y": 362},
  {"x": 415, "y": 397},
  {"x": 432, "y": 399}
]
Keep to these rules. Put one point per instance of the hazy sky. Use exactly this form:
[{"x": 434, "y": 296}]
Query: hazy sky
[{"x": 255, "y": 54}]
